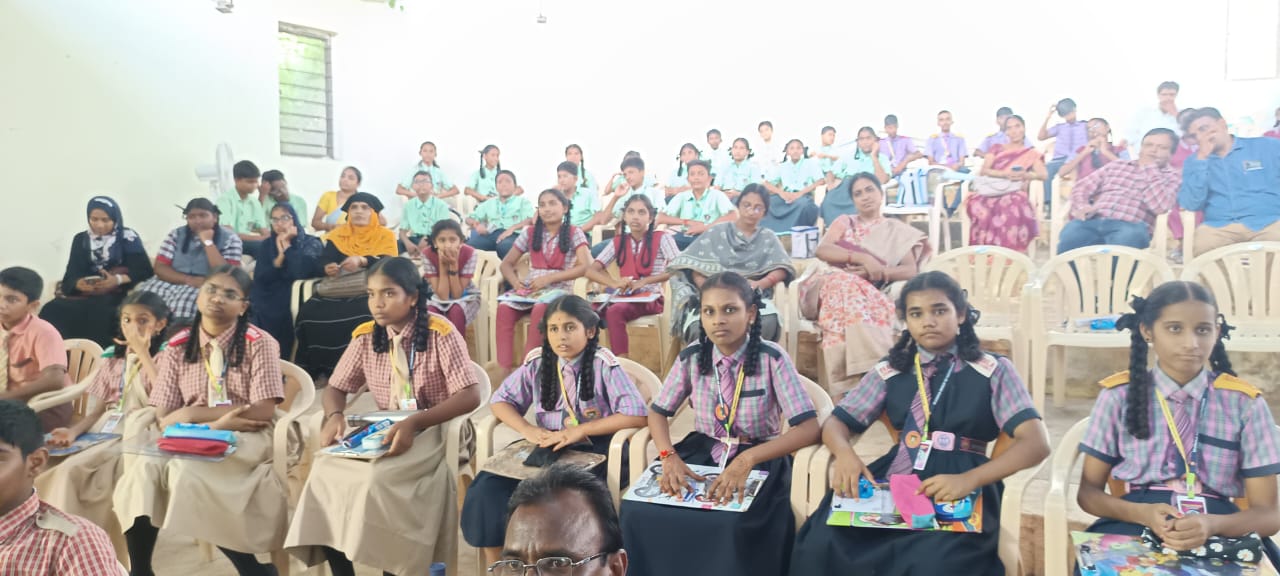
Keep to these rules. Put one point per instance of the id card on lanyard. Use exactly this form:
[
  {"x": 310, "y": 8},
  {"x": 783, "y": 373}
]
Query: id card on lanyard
[
  {"x": 1190, "y": 503},
  {"x": 127, "y": 376},
  {"x": 726, "y": 413},
  {"x": 926, "y": 443},
  {"x": 408, "y": 401},
  {"x": 570, "y": 417},
  {"x": 217, "y": 383}
]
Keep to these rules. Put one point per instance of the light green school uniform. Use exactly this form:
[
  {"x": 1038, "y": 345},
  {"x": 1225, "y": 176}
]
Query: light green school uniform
[
  {"x": 487, "y": 184},
  {"x": 244, "y": 215},
  {"x": 711, "y": 207},
  {"x": 499, "y": 214},
  {"x": 438, "y": 177},
  {"x": 419, "y": 216}
]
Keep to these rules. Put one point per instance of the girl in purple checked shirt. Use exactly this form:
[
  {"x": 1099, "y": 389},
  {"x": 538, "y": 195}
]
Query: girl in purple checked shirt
[
  {"x": 1184, "y": 438},
  {"x": 740, "y": 388}
]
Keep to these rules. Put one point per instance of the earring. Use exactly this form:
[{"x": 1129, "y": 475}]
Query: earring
[{"x": 1148, "y": 340}]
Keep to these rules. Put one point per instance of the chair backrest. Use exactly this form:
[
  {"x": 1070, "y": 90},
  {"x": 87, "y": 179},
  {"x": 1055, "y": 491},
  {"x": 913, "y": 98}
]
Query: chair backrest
[
  {"x": 299, "y": 389},
  {"x": 486, "y": 265},
  {"x": 645, "y": 380},
  {"x": 1094, "y": 281},
  {"x": 821, "y": 401},
  {"x": 993, "y": 277},
  {"x": 486, "y": 385},
  {"x": 1245, "y": 280},
  {"x": 82, "y": 357}
]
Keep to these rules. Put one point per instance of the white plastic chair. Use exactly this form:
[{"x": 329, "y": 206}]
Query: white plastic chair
[
  {"x": 486, "y": 267},
  {"x": 994, "y": 279},
  {"x": 1057, "y": 557},
  {"x": 1245, "y": 280},
  {"x": 1010, "y": 504},
  {"x": 1078, "y": 287},
  {"x": 82, "y": 365},
  {"x": 1188, "y": 234},
  {"x": 935, "y": 213}
]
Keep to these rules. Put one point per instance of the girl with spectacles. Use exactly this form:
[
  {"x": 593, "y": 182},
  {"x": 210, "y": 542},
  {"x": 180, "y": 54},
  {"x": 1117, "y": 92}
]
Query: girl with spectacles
[{"x": 287, "y": 255}]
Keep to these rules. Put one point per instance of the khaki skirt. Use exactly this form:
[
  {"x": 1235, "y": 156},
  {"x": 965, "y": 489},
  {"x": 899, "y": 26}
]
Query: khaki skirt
[
  {"x": 237, "y": 503},
  {"x": 395, "y": 514},
  {"x": 82, "y": 483}
]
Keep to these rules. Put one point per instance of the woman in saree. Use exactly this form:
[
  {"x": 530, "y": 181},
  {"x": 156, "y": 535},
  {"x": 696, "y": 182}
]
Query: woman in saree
[
  {"x": 869, "y": 256},
  {"x": 999, "y": 210},
  {"x": 741, "y": 246}
]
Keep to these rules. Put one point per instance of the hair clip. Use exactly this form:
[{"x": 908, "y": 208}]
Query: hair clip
[{"x": 1224, "y": 328}]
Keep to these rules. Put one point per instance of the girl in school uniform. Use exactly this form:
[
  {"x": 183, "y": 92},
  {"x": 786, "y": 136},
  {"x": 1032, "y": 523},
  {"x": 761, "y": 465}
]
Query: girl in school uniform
[
  {"x": 642, "y": 254},
  {"x": 1183, "y": 437},
  {"x": 223, "y": 372},
  {"x": 792, "y": 186},
  {"x": 494, "y": 224},
  {"x": 586, "y": 181},
  {"x": 741, "y": 387},
  {"x": 578, "y": 393},
  {"x": 443, "y": 185},
  {"x": 484, "y": 182},
  {"x": 82, "y": 483},
  {"x": 679, "y": 180},
  {"x": 939, "y": 390},
  {"x": 448, "y": 265},
  {"x": 740, "y": 171},
  {"x": 558, "y": 255},
  {"x": 399, "y": 512}
]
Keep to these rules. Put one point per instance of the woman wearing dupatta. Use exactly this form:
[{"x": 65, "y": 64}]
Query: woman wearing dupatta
[
  {"x": 740, "y": 246},
  {"x": 1000, "y": 212},
  {"x": 869, "y": 257},
  {"x": 107, "y": 260},
  {"x": 325, "y": 323},
  {"x": 287, "y": 255}
]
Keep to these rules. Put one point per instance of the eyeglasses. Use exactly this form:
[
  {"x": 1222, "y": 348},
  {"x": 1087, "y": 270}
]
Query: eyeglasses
[
  {"x": 226, "y": 295},
  {"x": 554, "y": 566},
  {"x": 282, "y": 219},
  {"x": 752, "y": 208}
]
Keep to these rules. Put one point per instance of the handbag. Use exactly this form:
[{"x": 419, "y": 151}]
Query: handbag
[
  {"x": 1246, "y": 548},
  {"x": 347, "y": 285},
  {"x": 992, "y": 186}
]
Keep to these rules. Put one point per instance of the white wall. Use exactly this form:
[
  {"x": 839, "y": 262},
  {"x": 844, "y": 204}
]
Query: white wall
[{"x": 126, "y": 97}]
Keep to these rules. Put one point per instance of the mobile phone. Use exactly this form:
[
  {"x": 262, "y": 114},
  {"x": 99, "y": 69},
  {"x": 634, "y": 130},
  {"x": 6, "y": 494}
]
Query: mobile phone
[{"x": 1017, "y": 168}]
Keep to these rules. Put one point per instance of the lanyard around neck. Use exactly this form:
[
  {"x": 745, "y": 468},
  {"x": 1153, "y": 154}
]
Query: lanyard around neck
[
  {"x": 1188, "y": 460},
  {"x": 725, "y": 412},
  {"x": 413, "y": 355},
  {"x": 924, "y": 393},
  {"x": 572, "y": 419}
]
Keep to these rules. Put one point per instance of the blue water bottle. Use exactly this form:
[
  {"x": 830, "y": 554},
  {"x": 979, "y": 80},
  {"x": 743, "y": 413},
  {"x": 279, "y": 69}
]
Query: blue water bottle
[{"x": 437, "y": 569}]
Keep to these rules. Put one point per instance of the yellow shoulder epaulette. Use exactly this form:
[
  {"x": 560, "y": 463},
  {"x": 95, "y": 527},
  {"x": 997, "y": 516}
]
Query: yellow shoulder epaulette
[
  {"x": 934, "y": 135},
  {"x": 440, "y": 325},
  {"x": 366, "y": 328},
  {"x": 1117, "y": 379},
  {"x": 1229, "y": 382}
]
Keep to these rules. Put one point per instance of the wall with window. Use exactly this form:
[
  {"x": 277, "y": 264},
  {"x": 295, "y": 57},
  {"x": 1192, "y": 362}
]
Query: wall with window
[{"x": 127, "y": 97}]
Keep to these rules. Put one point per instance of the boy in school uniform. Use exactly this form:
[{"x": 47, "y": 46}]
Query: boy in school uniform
[
  {"x": 901, "y": 149},
  {"x": 242, "y": 212},
  {"x": 36, "y": 538},
  {"x": 1070, "y": 135},
  {"x": 275, "y": 190},
  {"x": 827, "y": 154},
  {"x": 421, "y": 213},
  {"x": 715, "y": 154},
  {"x": 698, "y": 209},
  {"x": 32, "y": 358},
  {"x": 998, "y": 137},
  {"x": 945, "y": 148}
]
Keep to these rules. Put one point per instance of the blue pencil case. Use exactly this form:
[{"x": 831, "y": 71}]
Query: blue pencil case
[{"x": 199, "y": 432}]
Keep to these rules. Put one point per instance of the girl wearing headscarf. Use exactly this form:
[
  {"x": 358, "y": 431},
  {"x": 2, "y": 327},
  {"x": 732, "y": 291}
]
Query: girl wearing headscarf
[
  {"x": 324, "y": 324},
  {"x": 288, "y": 254},
  {"x": 107, "y": 260}
]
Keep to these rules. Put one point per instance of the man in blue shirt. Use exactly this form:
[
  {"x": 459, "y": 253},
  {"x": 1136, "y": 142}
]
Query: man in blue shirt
[{"x": 1235, "y": 181}]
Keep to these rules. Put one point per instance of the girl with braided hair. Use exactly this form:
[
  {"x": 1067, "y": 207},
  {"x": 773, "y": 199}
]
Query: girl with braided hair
[
  {"x": 641, "y": 254},
  {"x": 399, "y": 512},
  {"x": 223, "y": 372},
  {"x": 740, "y": 388},
  {"x": 1185, "y": 435},
  {"x": 948, "y": 400},
  {"x": 580, "y": 397}
]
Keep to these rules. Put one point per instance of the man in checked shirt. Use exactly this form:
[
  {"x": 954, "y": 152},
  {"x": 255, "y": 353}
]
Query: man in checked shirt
[
  {"x": 36, "y": 538},
  {"x": 1118, "y": 203}
]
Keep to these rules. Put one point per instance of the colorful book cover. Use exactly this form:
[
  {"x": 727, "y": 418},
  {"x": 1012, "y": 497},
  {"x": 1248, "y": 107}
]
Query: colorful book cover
[
  {"x": 522, "y": 296},
  {"x": 647, "y": 489},
  {"x": 879, "y": 511},
  {"x": 1116, "y": 554},
  {"x": 83, "y": 442}
]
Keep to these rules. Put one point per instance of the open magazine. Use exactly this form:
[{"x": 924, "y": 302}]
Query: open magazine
[
  {"x": 647, "y": 489},
  {"x": 543, "y": 296},
  {"x": 82, "y": 442},
  {"x": 879, "y": 511},
  {"x": 1107, "y": 554}
]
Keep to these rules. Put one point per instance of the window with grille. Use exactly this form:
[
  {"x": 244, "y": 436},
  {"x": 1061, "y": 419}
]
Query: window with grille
[{"x": 306, "y": 92}]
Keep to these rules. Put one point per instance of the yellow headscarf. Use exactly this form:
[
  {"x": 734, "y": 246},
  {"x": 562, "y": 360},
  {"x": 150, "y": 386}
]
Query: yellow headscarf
[{"x": 373, "y": 239}]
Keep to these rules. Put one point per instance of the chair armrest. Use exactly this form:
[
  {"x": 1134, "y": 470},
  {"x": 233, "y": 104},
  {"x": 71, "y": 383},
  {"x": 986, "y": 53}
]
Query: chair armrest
[
  {"x": 1033, "y": 329},
  {"x": 52, "y": 398},
  {"x": 484, "y": 439},
  {"x": 280, "y": 443},
  {"x": 1160, "y": 236},
  {"x": 819, "y": 478},
  {"x": 580, "y": 287},
  {"x": 1188, "y": 235},
  {"x": 1011, "y": 517},
  {"x": 800, "y": 482},
  {"x": 614, "y": 478},
  {"x": 453, "y": 442},
  {"x": 639, "y": 460}
]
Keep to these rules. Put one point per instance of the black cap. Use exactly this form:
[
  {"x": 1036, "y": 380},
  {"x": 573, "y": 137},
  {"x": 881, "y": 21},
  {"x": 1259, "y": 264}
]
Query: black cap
[{"x": 365, "y": 197}]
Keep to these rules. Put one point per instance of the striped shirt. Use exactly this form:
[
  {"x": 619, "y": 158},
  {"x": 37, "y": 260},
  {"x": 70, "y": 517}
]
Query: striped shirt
[
  {"x": 1238, "y": 437},
  {"x": 666, "y": 252},
  {"x": 106, "y": 383},
  {"x": 187, "y": 384},
  {"x": 1128, "y": 191},
  {"x": 774, "y": 391},
  {"x": 615, "y": 393},
  {"x": 440, "y": 372},
  {"x": 550, "y": 243},
  {"x": 232, "y": 249},
  {"x": 36, "y": 538}
]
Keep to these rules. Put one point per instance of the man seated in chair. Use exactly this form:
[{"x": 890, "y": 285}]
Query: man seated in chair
[
  {"x": 1118, "y": 203},
  {"x": 1234, "y": 180}
]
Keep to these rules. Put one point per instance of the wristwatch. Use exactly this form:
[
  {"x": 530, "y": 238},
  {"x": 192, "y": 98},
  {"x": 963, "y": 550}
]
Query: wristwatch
[{"x": 207, "y": 242}]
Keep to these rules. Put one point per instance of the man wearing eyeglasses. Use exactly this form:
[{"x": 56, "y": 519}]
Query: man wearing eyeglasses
[{"x": 562, "y": 523}]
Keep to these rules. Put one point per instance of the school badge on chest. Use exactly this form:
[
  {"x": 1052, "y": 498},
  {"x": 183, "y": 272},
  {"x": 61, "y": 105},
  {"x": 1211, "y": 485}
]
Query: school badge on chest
[
  {"x": 722, "y": 412},
  {"x": 912, "y": 439},
  {"x": 591, "y": 414}
]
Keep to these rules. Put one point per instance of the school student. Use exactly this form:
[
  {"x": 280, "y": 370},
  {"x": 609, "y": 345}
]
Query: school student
[
  {"x": 827, "y": 154},
  {"x": 35, "y": 536},
  {"x": 484, "y": 182},
  {"x": 740, "y": 388},
  {"x": 225, "y": 373},
  {"x": 494, "y": 224},
  {"x": 679, "y": 180},
  {"x": 579, "y": 395},
  {"x": 791, "y": 199},
  {"x": 33, "y": 359},
  {"x": 241, "y": 210},
  {"x": 714, "y": 154},
  {"x": 448, "y": 266},
  {"x": 771, "y": 149},
  {"x": 619, "y": 178},
  {"x": 82, "y": 483},
  {"x": 697, "y": 209},
  {"x": 948, "y": 400},
  {"x": 558, "y": 255},
  {"x": 635, "y": 182},
  {"x": 397, "y": 513},
  {"x": 1187, "y": 439},
  {"x": 443, "y": 185},
  {"x": 586, "y": 181},
  {"x": 420, "y": 214},
  {"x": 586, "y": 204},
  {"x": 641, "y": 254},
  {"x": 739, "y": 171}
]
